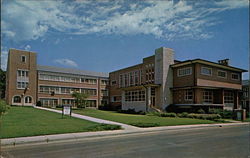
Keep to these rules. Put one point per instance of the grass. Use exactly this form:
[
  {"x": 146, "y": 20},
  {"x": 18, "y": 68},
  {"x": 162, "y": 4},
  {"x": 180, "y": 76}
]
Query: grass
[
  {"x": 140, "y": 120},
  {"x": 28, "y": 121}
]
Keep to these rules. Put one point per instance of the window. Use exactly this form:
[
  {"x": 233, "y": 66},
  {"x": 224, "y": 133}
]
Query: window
[
  {"x": 222, "y": 74},
  {"x": 22, "y": 85},
  {"x": 17, "y": 99},
  {"x": 228, "y": 97},
  {"x": 22, "y": 73},
  {"x": 206, "y": 71},
  {"x": 137, "y": 95},
  {"x": 113, "y": 82},
  {"x": 91, "y": 103},
  {"x": 189, "y": 95},
  {"x": 28, "y": 99},
  {"x": 68, "y": 102},
  {"x": 23, "y": 58},
  {"x": 184, "y": 71},
  {"x": 49, "y": 102},
  {"x": 208, "y": 96},
  {"x": 104, "y": 82},
  {"x": 121, "y": 81},
  {"x": 104, "y": 92},
  {"x": 116, "y": 98},
  {"x": 245, "y": 92},
  {"x": 91, "y": 92},
  {"x": 49, "y": 89},
  {"x": 235, "y": 76}
]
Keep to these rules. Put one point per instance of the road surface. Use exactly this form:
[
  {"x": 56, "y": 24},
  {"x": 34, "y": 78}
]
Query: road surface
[{"x": 210, "y": 142}]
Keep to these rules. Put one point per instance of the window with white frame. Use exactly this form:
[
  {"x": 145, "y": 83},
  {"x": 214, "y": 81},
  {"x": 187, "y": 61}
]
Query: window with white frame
[
  {"x": 136, "y": 95},
  {"x": 207, "y": 96},
  {"x": 104, "y": 92},
  {"x": 49, "y": 102},
  {"x": 68, "y": 101},
  {"x": 104, "y": 82},
  {"x": 28, "y": 99},
  {"x": 235, "y": 76},
  {"x": 91, "y": 103},
  {"x": 188, "y": 95},
  {"x": 22, "y": 73},
  {"x": 184, "y": 71},
  {"x": 22, "y": 85},
  {"x": 206, "y": 71},
  {"x": 222, "y": 74},
  {"x": 16, "y": 99},
  {"x": 228, "y": 97}
]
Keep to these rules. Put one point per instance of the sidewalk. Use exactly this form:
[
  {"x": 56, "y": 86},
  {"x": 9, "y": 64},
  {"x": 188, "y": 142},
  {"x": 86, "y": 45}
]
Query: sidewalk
[
  {"x": 93, "y": 119},
  {"x": 78, "y": 136}
]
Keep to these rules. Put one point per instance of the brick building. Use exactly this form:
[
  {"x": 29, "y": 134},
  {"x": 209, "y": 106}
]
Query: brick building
[
  {"x": 156, "y": 83},
  {"x": 28, "y": 83},
  {"x": 245, "y": 97},
  {"x": 160, "y": 81}
]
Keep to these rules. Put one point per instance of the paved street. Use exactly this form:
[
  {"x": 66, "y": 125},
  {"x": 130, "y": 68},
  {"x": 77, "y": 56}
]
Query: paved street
[{"x": 212, "y": 142}]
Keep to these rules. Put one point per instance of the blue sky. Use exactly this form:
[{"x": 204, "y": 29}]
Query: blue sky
[{"x": 106, "y": 35}]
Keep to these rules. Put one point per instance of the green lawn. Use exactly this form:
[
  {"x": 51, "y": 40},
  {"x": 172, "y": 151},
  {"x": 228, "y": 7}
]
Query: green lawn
[
  {"x": 140, "y": 120},
  {"x": 28, "y": 121}
]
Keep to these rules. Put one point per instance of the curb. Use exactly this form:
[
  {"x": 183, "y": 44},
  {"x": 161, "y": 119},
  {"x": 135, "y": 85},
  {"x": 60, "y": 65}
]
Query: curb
[{"x": 77, "y": 136}]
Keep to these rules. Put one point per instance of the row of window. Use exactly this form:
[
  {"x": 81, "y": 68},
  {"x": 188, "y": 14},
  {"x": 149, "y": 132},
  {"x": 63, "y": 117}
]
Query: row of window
[
  {"x": 70, "y": 79},
  {"x": 22, "y": 85},
  {"x": 54, "y": 102},
  {"x": 137, "y": 95},
  {"x": 208, "y": 96},
  {"x": 18, "y": 99},
  {"x": 207, "y": 71},
  {"x": 133, "y": 78},
  {"x": 66, "y": 90}
]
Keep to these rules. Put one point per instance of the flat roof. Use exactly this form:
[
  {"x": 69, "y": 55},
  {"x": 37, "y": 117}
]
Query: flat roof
[
  {"x": 71, "y": 71},
  {"x": 202, "y": 61}
]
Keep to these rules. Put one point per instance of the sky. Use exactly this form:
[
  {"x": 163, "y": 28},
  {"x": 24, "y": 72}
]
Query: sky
[{"x": 107, "y": 35}]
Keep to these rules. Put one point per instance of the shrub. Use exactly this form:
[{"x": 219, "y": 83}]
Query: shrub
[
  {"x": 38, "y": 103},
  {"x": 3, "y": 107},
  {"x": 200, "y": 111},
  {"x": 144, "y": 124},
  {"x": 184, "y": 114},
  {"x": 154, "y": 113},
  {"x": 131, "y": 111},
  {"x": 168, "y": 115},
  {"x": 215, "y": 111},
  {"x": 226, "y": 114},
  {"x": 204, "y": 116}
]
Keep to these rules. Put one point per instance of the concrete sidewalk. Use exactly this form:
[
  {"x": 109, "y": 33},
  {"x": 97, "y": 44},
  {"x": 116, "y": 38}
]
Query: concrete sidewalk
[
  {"x": 93, "y": 119},
  {"x": 78, "y": 136}
]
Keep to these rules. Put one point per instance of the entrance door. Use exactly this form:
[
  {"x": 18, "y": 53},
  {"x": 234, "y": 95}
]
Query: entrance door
[{"x": 152, "y": 96}]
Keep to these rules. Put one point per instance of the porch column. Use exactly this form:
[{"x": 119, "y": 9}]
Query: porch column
[{"x": 149, "y": 96}]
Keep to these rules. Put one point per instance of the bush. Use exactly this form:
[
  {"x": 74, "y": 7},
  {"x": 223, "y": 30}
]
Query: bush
[
  {"x": 144, "y": 124},
  {"x": 154, "y": 113},
  {"x": 168, "y": 115},
  {"x": 200, "y": 111},
  {"x": 131, "y": 111},
  {"x": 204, "y": 116},
  {"x": 184, "y": 114},
  {"x": 3, "y": 107},
  {"x": 38, "y": 103}
]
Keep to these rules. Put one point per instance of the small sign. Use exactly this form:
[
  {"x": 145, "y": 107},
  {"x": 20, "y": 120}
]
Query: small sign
[{"x": 66, "y": 110}]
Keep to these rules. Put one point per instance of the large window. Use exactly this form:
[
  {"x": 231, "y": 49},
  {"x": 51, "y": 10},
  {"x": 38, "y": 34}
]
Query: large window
[
  {"x": 89, "y": 81},
  {"x": 16, "y": 99},
  {"x": 22, "y": 73},
  {"x": 116, "y": 98},
  {"x": 184, "y": 71},
  {"x": 228, "y": 97},
  {"x": 49, "y": 89},
  {"x": 60, "y": 78},
  {"x": 104, "y": 82},
  {"x": 222, "y": 74},
  {"x": 207, "y": 96},
  {"x": 104, "y": 92},
  {"x": 130, "y": 78},
  {"x": 49, "y": 102},
  {"x": 22, "y": 85},
  {"x": 91, "y": 103},
  {"x": 189, "y": 95},
  {"x": 91, "y": 92},
  {"x": 235, "y": 76},
  {"x": 206, "y": 71},
  {"x": 138, "y": 95},
  {"x": 68, "y": 102},
  {"x": 28, "y": 99}
]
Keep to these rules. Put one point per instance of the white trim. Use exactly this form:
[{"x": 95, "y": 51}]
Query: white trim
[
  {"x": 31, "y": 100},
  {"x": 12, "y": 100},
  {"x": 207, "y": 68},
  {"x": 64, "y": 86}
]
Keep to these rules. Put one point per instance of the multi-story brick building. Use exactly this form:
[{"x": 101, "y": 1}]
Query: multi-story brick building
[
  {"x": 160, "y": 81},
  {"x": 28, "y": 83},
  {"x": 156, "y": 83}
]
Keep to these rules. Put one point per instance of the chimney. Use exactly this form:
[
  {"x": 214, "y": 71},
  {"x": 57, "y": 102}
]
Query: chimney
[{"x": 224, "y": 62}]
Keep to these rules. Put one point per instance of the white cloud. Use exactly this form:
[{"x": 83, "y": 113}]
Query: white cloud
[
  {"x": 30, "y": 20},
  {"x": 66, "y": 62},
  {"x": 27, "y": 47}
]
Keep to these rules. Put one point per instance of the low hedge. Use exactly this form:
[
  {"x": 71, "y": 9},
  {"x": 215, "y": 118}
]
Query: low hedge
[
  {"x": 204, "y": 116},
  {"x": 168, "y": 115}
]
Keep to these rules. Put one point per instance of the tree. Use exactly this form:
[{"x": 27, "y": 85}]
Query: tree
[
  {"x": 80, "y": 99},
  {"x": 3, "y": 107},
  {"x": 2, "y": 83}
]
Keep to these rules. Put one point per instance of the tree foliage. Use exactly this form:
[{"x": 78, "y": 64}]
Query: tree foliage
[
  {"x": 80, "y": 99},
  {"x": 3, "y": 107},
  {"x": 2, "y": 83}
]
